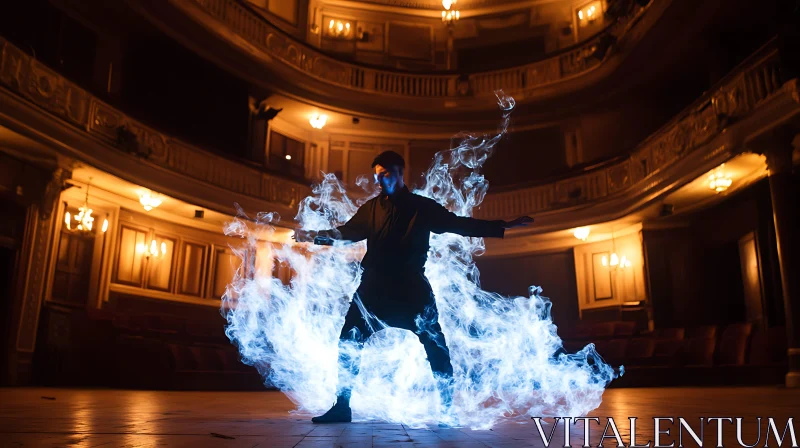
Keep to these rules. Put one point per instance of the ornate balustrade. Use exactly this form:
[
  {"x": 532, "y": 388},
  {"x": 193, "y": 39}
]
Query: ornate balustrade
[
  {"x": 735, "y": 96},
  {"x": 47, "y": 89},
  {"x": 276, "y": 44}
]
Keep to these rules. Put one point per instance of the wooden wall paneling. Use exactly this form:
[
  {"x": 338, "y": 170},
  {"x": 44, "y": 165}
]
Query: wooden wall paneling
[
  {"x": 130, "y": 236},
  {"x": 192, "y": 268},
  {"x": 161, "y": 269}
]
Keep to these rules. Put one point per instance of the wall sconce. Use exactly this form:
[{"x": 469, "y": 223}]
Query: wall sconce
[
  {"x": 153, "y": 250},
  {"x": 318, "y": 121},
  {"x": 148, "y": 201},
  {"x": 581, "y": 233},
  {"x": 719, "y": 181},
  {"x": 616, "y": 262},
  {"x": 339, "y": 28},
  {"x": 588, "y": 14},
  {"x": 450, "y": 15}
]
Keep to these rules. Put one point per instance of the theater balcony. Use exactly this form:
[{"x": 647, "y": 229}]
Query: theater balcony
[
  {"x": 402, "y": 60},
  {"x": 655, "y": 145}
]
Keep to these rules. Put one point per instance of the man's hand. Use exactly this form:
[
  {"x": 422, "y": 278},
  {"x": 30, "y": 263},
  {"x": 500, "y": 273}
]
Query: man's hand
[
  {"x": 304, "y": 236},
  {"x": 522, "y": 221}
]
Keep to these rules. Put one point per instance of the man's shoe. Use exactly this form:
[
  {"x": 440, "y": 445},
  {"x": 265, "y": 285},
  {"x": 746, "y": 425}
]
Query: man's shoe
[{"x": 339, "y": 413}]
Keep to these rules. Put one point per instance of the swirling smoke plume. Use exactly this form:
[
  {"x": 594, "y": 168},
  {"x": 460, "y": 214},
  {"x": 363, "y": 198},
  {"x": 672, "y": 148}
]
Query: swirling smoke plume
[{"x": 509, "y": 362}]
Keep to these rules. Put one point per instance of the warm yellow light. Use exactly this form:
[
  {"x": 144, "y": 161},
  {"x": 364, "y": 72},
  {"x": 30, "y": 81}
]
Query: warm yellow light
[
  {"x": 148, "y": 201},
  {"x": 163, "y": 248},
  {"x": 84, "y": 219},
  {"x": 105, "y": 225},
  {"x": 67, "y": 219},
  {"x": 450, "y": 14},
  {"x": 614, "y": 259},
  {"x": 339, "y": 28},
  {"x": 588, "y": 14},
  {"x": 153, "y": 248},
  {"x": 581, "y": 233},
  {"x": 289, "y": 156},
  {"x": 719, "y": 181},
  {"x": 604, "y": 261},
  {"x": 140, "y": 248},
  {"x": 318, "y": 121}
]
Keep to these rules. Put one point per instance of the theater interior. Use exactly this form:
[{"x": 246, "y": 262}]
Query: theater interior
[{"x": 655, "y": 142}]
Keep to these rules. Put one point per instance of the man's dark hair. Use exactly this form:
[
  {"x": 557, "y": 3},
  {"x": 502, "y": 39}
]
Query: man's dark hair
[{"x": 388, "y": 159}]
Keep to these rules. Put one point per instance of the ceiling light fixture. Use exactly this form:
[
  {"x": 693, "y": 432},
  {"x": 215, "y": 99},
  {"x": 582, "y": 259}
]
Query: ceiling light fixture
[
  {"x": 149, "y": 201},
  {"x": 719, "y": 181},
  {"x": 581, "y": 233},
  {"x": 318, "y": 121}
]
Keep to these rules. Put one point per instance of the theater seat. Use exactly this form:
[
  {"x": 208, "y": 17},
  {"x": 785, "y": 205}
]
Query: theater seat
[
  {"x": 671, "y": 333},
  {"x": 640, "y": 351},
  {"x": 698, "y": 351},
  {"x": 732, "y": 346},
  {"x": 702, "y": 332}
]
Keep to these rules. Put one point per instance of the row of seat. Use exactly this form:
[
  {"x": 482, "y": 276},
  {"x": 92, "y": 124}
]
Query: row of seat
[
  {"x": 169, "y": 352},
  {"x": 705, "y": 355},
  {"x": 736, "y": 344}
]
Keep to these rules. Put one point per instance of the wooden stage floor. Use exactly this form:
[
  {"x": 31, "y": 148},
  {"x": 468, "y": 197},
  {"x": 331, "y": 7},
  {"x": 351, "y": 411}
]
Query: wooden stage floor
[{"x": 44, "y": 417}]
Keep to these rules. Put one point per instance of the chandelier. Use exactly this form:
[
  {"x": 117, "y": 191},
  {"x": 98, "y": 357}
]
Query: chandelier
[
  {"x": 719, "y": 181},
  {"x": 148, "y": 201},
  {"x": 83, "y": 221},
  {"x": 581, "y": 233},
  {"x": 450, "y": 14},
  {"x": 318, "y": 121}
]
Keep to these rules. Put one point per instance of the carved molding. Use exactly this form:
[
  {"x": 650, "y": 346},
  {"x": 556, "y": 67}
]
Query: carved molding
[
  {"x": 694, "y": 128},
  {"x": 269, "y": 39},
  {"x": 53, "y": 191},
  {"x": 47, "y": 89},
  {"x": 700, "y": 123},
  {"x": 38, "y": 234}
]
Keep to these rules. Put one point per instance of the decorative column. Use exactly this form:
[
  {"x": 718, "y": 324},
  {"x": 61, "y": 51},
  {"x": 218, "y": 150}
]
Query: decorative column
[
  {"x": 31, "y": 278},
  {"x": 778, "y": 150}
]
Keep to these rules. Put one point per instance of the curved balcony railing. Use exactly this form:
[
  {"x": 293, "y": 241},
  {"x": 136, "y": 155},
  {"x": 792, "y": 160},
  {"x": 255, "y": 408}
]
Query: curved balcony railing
[
  {"x": 260, "y": 33},
  {"x": 735, "y": 96},
  {"x": 50, "y": 91}
]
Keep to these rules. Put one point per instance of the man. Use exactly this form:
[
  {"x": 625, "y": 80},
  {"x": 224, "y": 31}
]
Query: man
[{"x": 397, "y": 226}]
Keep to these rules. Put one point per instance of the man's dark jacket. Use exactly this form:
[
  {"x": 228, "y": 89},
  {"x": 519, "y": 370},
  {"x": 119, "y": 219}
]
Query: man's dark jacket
[{"x": 397, "y": 229}]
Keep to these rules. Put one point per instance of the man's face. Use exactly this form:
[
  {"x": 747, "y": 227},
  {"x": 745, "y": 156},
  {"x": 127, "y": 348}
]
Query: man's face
[{"x": 388, "y": 178}]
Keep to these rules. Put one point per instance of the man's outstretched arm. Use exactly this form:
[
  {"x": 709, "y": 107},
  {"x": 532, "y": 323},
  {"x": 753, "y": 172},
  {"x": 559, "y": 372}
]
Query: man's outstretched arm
[
  {"x": 445, "y": 221},
  {"x": 356, "y": 229}
]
